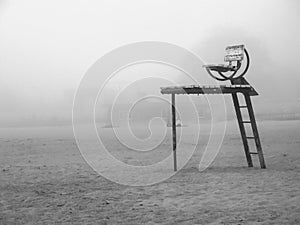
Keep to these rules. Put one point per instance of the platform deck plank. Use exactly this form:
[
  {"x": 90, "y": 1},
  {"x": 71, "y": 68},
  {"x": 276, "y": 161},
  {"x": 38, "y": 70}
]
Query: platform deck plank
[{"x": 218, "y": 89}]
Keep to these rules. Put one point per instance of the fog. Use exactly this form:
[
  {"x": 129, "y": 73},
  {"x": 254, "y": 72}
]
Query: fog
[{"x": 47, "y": 46}]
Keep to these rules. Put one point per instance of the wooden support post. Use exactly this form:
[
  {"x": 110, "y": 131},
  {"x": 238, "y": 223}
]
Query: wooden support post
[
  {"x": 242, "y": 128},
  {"x": 255, "y": 131},
  {"x": 174, "y": 131}
]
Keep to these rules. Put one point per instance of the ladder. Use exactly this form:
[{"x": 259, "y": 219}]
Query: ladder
[{"x": 242, "y": 123}]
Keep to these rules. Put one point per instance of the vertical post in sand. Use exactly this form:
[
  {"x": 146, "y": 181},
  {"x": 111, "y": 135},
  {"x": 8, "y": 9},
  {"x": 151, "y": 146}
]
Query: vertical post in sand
[{"x": 174, "y": 131}]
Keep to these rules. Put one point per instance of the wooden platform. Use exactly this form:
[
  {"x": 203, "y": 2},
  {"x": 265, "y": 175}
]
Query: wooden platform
[
  {"x": 237, "y": 86},
  {"x": 218, "y": 89}
]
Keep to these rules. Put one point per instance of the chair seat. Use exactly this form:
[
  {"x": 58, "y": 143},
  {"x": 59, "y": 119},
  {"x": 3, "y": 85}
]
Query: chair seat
[{"x": 220, "y": 67}]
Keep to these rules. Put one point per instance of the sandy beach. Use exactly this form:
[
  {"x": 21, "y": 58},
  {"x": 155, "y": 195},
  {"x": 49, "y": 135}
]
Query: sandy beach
[{"x": 45, "y": 180}]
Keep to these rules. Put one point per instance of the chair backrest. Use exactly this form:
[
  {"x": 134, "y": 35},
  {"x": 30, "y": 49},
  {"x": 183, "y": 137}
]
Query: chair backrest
[{"x": 234, "y": 53}]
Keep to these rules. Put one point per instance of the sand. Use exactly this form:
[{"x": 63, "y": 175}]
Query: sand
[{"x": 45, "y": 180}]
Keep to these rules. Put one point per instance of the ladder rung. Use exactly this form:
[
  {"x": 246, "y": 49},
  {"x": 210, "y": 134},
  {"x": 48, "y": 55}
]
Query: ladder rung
[
  {"x": 246, "y": 121},
  {"x": 250, "y": 137},
  {"x": 243, "y": 106},
  {"x": 253, "y": 153}
]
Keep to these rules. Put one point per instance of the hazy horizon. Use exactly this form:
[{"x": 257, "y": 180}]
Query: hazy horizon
[{"x": 46, "y": 48}]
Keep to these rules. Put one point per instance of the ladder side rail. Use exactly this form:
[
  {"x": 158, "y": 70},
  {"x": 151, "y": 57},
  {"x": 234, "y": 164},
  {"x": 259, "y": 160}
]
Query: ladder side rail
[
  {"x": 255, "y": 131},
  {"x": 242, "y": 129}
]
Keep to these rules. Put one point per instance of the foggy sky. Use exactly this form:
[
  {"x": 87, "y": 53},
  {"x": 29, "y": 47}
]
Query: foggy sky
[{"x": 47, "y": 46}]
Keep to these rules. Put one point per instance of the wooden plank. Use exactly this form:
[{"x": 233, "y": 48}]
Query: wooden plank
[
  {"x": 234, "y": 53},
  {"x": 207, "y": 89}
]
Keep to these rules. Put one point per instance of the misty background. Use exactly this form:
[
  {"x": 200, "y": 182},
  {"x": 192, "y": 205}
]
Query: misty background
[{"x": 47, "y": 46}]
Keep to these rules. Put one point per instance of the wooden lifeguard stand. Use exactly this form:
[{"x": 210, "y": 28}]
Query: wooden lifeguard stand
[{"x": 234, "y": 57}]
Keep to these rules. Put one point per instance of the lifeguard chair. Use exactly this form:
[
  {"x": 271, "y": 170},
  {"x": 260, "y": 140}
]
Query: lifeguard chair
[{"x": 235, "y": 56}]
